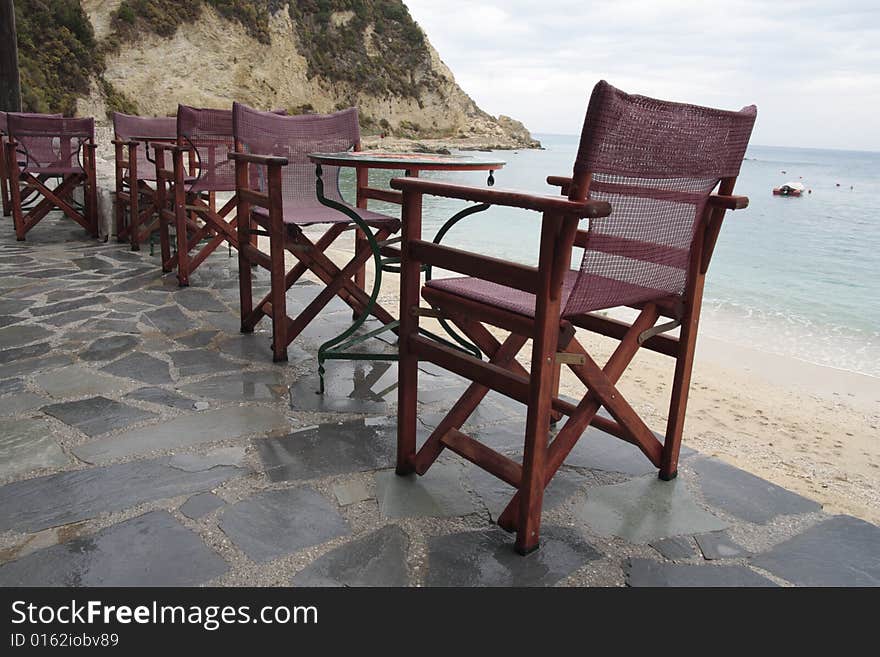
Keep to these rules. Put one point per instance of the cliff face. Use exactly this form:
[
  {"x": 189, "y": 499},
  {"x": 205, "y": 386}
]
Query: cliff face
[{"x": 313, "y": 55}]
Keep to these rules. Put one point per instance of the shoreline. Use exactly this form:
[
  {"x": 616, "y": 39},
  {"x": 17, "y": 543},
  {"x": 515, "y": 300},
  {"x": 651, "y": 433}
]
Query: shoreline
[{"x": 444, "y": 146}]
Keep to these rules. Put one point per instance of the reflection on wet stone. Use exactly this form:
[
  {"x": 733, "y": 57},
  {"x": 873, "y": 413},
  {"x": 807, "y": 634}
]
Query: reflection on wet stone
[
  {"x": 240, "y": 386},
  {"x": 192, "y": 362},
  {"x": 326, "y": 450}
]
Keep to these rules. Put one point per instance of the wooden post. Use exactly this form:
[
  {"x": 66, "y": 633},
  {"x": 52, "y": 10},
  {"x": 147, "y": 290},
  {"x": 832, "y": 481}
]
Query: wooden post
[{"x": 10, "y": 87}]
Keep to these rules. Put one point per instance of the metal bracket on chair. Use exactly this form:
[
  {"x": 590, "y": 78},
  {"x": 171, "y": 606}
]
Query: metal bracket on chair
[
  {"x": 644, "y": 336},
  {"x": 565, "y": 358},
  {"x": 417, "y": 311}
]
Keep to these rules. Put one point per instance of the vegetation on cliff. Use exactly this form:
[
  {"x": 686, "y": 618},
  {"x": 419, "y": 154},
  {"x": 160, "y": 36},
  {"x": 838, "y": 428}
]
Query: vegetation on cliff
[
  {"x": 57, "y": 54},
  {"x": 372, "y": 44}
]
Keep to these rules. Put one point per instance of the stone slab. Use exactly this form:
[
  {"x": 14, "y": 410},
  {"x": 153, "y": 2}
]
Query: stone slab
[
  {"x": 438, "y": 494},
  {"x": 8, "y": 386},
  {"x": 170, "y": 320},
  {"x": 15, "y": 404},
  {"x": 199, "y": 300},
  {"x": 140, "y": 367},
  {"x": 20, "y": 334},
  {"x": 76, "y": 381},
  {"x": 201, "y": 505},
  {"x": 186, "y": 431},
  {"x": 646, "y": 572},
  {"x": 97, "y": 415},
  {"x": 351, "y": 492},
  {"x": 234, "y": 455},
  {"x": 193, "y": 362},
  {"x": 487, "y": 558},
  {"x": 257, "y": 347},
  {"x": 276, "y": 523},
  {"x": 675, "y": 547},
  {"x": 644, "y": 510},
  {"x": 198, "y": 339},
  {"x": 161, "y": 396},
  {"x": 839, "y": 551},
  {"x": 26, "y": 445},
  {"x": 150, "y": 550},
  {"x": 719, "y": 545},
  {"x": 33, "y": 365},
  {"x": 377, "y": 559},
  {"x": 36, "y": 504},
  {"x": 72, "y": 304},
  {"x": 109, "y": 347},
  {"x": 329, "y": 449},
  {"x": 745, "y": 496},
  {"x": 240, "y": 386},
  {"x": 63, "y": 319},
  {"x": 22, "y": 353}
]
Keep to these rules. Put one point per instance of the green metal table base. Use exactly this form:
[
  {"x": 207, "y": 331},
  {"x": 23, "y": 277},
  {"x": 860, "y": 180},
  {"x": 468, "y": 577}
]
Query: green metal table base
[{"x": 337, "y": 348}]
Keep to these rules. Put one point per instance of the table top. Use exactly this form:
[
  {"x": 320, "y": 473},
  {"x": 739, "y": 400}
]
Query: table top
[{"x": 424, "y": 161}]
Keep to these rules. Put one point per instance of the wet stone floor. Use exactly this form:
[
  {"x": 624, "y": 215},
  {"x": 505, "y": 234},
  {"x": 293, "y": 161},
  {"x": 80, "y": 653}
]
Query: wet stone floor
[{"x": 145, "y": 441}]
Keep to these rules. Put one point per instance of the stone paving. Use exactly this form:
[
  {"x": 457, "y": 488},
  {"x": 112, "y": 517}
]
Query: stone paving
[{"x": 145, "y": 441}]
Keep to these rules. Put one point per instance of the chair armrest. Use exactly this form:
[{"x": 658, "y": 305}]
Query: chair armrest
[
  {"x": 125, "y": 142},
  {"x": 253, "y": 158},
  {"x": 559, "y": 181},
  {"x": 728, "y": 202},
  {"x": 174, "y": 148},
  {"x": 551, "y": 204}
]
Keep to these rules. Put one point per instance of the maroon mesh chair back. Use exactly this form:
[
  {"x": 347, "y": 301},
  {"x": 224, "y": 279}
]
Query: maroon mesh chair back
[
  {"x": 294, "y": 137},
  {"x": 3, "y": 122},
  {"x": 50, "y": 144},
  {"x": 209, "y": 133},
  {"x": 655, "y": 162},
  {"x": 127, "y": 126}
]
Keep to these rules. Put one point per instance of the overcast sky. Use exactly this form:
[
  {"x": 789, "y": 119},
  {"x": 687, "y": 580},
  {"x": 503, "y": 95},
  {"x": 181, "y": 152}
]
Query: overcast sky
[{"x": 812, "y": 68}]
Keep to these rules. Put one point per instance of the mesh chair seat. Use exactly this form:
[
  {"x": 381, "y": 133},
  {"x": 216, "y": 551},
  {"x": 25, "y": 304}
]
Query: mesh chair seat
[
  {"x": 299, "y": 214},
  {"x": 523, "y": 303}
]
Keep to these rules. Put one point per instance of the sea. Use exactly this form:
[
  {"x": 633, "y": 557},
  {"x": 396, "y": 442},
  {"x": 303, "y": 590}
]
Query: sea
[{"x": 798, "y": 277}]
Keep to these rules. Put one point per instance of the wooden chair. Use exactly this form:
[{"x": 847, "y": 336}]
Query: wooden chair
[
  {"x": 41, "y": 147},
  {"x": 186, "y": 193},
  {"x": 5, "y": 198},
  {"x": 276, "y": 192},
  {"x": 644, "y": 176},
  {"x": 136, "y": 174}
]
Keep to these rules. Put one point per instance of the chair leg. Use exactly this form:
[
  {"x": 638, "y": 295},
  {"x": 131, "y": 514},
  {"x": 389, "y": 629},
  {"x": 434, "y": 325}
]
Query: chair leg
[
  {"x": 408, "y": 363},
  {"x": 245, "y": 276},
  {"x": 15, "y": 201},
  {"x": 681, "y": 384},
  {"x": 134, "y": 224},
  {"x": 278, "y": 278},
  {"x": 180, "y": 228},
  {"x": 164, "y": 237},
  {"x": 360, "y": 277}
]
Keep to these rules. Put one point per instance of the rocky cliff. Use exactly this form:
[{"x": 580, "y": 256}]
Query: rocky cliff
[{"x": 309, "y": 55}]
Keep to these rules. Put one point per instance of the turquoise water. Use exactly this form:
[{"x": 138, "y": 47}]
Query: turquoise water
[{"x": 792, "y": 276}]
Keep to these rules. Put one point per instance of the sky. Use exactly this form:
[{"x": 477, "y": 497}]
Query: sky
[{"x": 812, "y": 68}]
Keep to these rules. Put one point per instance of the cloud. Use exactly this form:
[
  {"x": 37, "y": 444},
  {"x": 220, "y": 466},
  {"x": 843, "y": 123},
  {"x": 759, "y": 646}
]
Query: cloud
[{"x": 813, "y": 68}]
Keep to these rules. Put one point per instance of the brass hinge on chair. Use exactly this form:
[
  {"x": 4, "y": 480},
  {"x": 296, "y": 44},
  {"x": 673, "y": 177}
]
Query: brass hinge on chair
[
  {"x": 565, "y": 358},
  {"x": 644, "y": 336}
]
